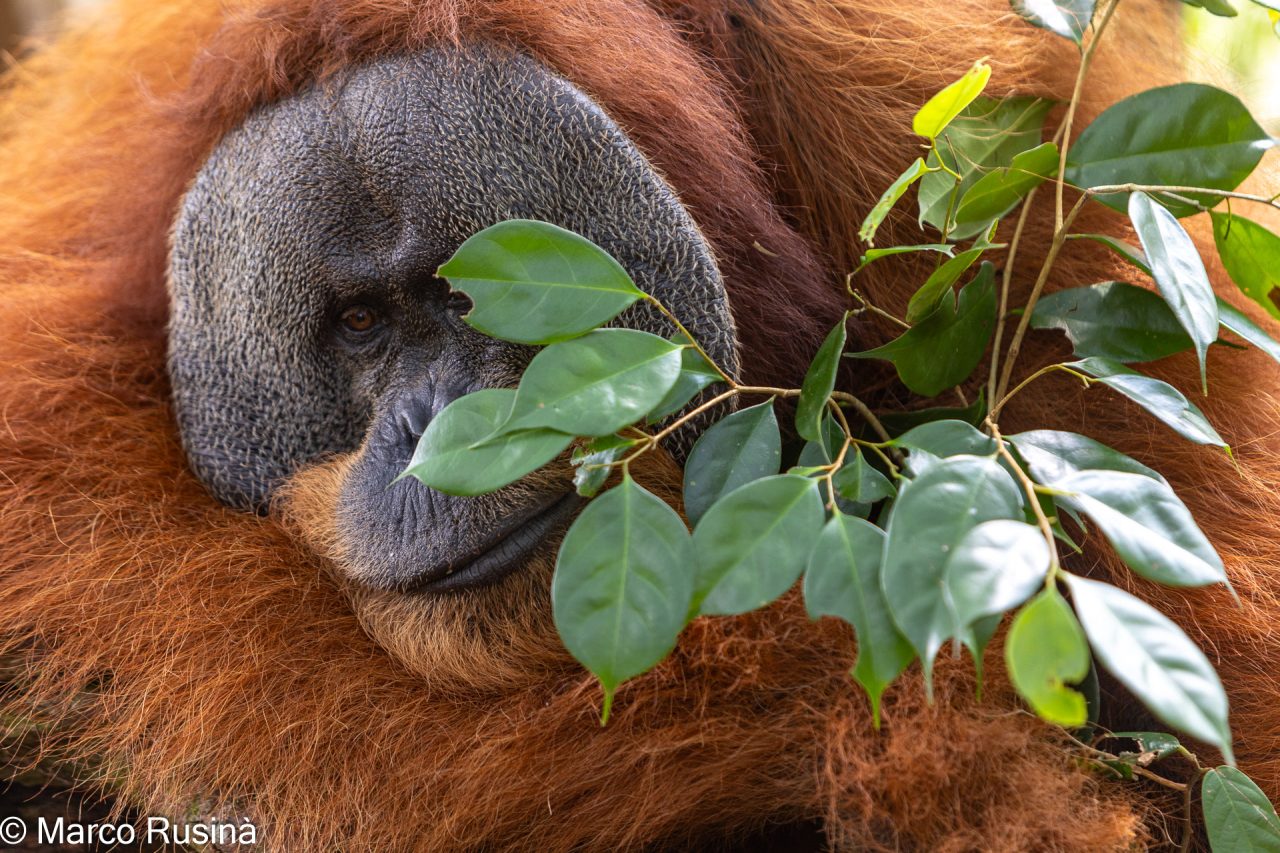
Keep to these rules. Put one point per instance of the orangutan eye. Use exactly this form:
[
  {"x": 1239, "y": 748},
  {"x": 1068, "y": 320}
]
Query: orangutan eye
[{"x": 359, "y": 319}]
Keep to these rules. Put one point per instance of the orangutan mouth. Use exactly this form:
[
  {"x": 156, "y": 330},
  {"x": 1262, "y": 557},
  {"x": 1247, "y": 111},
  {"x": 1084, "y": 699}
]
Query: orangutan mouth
[{"x": 510, "y": 546}]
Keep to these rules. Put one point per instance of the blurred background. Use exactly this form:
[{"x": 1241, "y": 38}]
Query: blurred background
[{"x": 1242, "y": 53}]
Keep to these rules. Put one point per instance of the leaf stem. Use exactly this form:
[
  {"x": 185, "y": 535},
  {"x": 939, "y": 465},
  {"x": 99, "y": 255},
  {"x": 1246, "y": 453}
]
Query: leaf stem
[
  {"x": 867, "y": 306},
  {"x": 1028, "y": 486},
  {"x": 1006, "y": 282},
  {"x": 653, "y": 300},
  {"x": 1175, "y": 191}
]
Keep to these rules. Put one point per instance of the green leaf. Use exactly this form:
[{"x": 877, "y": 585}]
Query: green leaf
[
  {"x": 1187, "y": 134},
  {"x": 1053, "y": 455},
  {"x": 1154, "y": 659},
  {"x": 1234, "y": 320},
  {"x": 742, "y": 447},
  {"x": 1113, "y": 320},
  {"x": 1159, "y": 398},
  {"x": 596, "y": 384},
  {"x": 1251, "y": 254},
  {"x": 843, "y": 580},
  {"x": 1045, "y": 651},
  {"x": 1157, "y": 744},
  {"x": 925, "y": 300},
  {"x": 446, "y": 460},
  {"x": 592, "y": 462},
  {"x": 939, "y": 111},
  {"x": 535, "y": 283},
  {"x": 1221, "y": 8},
  {"x": 622, "y": 584},
  {"x": 819, "y": 382},
  {"x": 943, "y": 349},
  {"x": 873, "y": 255},
  {"x": 753, "y": 543},
  {"x": 857, "y": 481},
  {"x": 1000, "y": 191},
  {"x": 867, "y": 233},
  {"x": 826, "y": 449},
  {"x": 1067, "y": 18},
  {"x": 696, "y": 374},
  {"x": 1179, "y": 273},
  {"x": 986, "y": 135},
  {"x": 929, "y": 552},
  {"x": 1130, "y": 254},
  {"x": 973, "y": 414},
  {"x": 1237, "y": 815},
  {"x": 1150, "y": 528},
  {"x": 947, "y": 438}
]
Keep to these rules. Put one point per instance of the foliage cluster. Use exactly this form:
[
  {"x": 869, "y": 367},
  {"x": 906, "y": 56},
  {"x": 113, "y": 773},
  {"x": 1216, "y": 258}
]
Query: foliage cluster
[{"x": 931, "y": 532}]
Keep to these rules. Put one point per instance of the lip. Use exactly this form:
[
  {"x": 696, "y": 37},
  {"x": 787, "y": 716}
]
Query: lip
[{"x": 503, "y": 552}]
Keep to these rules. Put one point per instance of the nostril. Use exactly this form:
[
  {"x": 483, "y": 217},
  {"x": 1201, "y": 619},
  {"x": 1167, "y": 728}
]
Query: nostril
[{"x": 413, "y": 415}]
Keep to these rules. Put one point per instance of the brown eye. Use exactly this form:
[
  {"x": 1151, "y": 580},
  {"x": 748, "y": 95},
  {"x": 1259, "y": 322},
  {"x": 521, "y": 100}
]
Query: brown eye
[{"x": 359, "y": 319}]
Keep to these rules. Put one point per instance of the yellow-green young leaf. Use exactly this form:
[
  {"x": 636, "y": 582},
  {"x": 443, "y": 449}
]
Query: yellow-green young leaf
[
  {"x": 753, "y": 543},
  {"x": 1067, "y": 18},
  {"x": 1179, "y": 273},
  {"x": 1251, "y": 254},
  {"x": 1221, "y": 8},
  {"x": 1237, "y": 814},
  {"x": 1152, "y": 657},
  {"x": 742, "y": 447},
  {"x": 998, "y": 192},
  {"x": 873, "y": 255},
  {"x": 819, "y": 382},
  {"x": 534, "y": 283},
  {"x": 1045, "y": 651},
  {"x": 596, "y": 384},
  {"x": 622, "y": 584},
  {"x": 843, "y": 580},
  {"x": 447, "y": 461},
  {"x": 940, "y": 281},
  {"x": 938, "y": 112},
  {"x": 1159, "y": 398},
  {"x": 867, "y": 233}
]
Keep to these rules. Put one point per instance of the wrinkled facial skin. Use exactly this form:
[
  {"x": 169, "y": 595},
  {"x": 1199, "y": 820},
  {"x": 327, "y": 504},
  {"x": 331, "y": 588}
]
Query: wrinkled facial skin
[{"x": 349, "y": 197}]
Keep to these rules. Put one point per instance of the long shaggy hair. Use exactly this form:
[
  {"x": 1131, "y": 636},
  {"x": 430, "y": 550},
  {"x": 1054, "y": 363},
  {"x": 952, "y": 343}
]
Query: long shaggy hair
[{"x": 193, "y": 658}]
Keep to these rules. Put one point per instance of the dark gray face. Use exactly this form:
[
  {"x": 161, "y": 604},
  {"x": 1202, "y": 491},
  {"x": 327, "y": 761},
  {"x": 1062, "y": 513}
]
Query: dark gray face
[{"x": 307, "y": 320}]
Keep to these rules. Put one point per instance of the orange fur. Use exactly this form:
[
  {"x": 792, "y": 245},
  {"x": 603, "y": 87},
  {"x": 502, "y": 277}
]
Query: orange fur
[{"x": 207, "y": 657}]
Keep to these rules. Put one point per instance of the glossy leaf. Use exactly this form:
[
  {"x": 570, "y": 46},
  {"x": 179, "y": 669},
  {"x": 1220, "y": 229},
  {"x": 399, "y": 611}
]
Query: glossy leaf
[
  {"x": 752, "y": 545},
  {"x": 1150, "y": 528},
  {"x": 1154, "y": 659},
  {"x": 843, "y": 580},
  {"x": 1067, "y": 18},
  {"x": 987, "y": 135},
  {"x": 1045, "y": 651},
  {"x": 1159, "y": 398},
  {"x": 938, "y": 111},
  {"x": 857, "y": 481},
  {"x": 1053, "y": 455},
  {"x": 1113, "y": 320},
  {"x": 928, "y": 551},
  {"x": 1179, "y": 273},
  {"x": 446, "y": 460},
  {"x": 696, "y": 374},
  {"x": 1188, "y": 134},
  {"x": 1234, "y": 320},
  {"x": 1221, "y": 8},
  {"x": 1251, "y": 254},
  {"x": 873, "y": 255},
  {"x": 535, "y": 283},
  {"x": 972, "y": 414},
  {"x": 867, "y": 233},
  {"x": 947, "y": 438},
  {"x": 742, "y": 447},
  {"x": 939, "y": 283},
  {"x": 943, "y": 349},
  {"x": 622, "y": 584},
  {"x": 999, "y": 191},
  {"x": 596, "y": 384},
  {"x": 591, "y": 463},
  {"x": 819, "y": 382},
  {"x": 1237, "y": 814}
]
